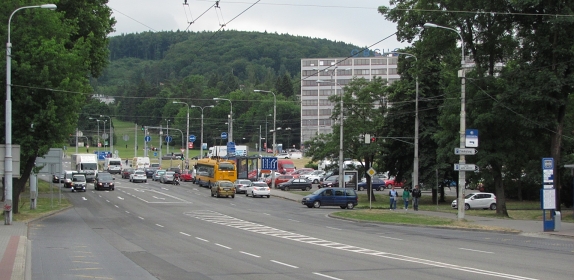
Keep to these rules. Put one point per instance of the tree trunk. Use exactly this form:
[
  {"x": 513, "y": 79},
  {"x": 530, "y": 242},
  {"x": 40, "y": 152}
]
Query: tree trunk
[
  {"x": 555, "y": 152},
  {"x": 19, "y": 184},
  {"x": 499, "y": 188}
]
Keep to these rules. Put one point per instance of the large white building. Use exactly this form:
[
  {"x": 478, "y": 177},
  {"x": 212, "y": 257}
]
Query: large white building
[{"x": 333, "y": 74}]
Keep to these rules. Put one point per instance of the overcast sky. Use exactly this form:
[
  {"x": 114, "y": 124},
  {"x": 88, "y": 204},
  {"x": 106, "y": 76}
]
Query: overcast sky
[{"x": 351, "y": 21}]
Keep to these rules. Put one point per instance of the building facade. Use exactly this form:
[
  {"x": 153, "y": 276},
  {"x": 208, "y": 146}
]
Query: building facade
[{"x": 323, "y": 77}]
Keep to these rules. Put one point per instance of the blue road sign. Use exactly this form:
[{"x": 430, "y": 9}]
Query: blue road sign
[
  {"x": 224, "y": 135},
  {"x": 191, "y": 138},
  {"x": 147, "y": 138},
  {"x": 231, "y": 148},
  {"x": 269, "y": 163},
  {"x": 168, "y": 139},
  {"x": 155, "y": 154},
  {"x": 471, "y": 136}
]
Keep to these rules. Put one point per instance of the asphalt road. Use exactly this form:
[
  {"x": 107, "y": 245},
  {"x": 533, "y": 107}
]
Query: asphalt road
[{"x": 155, "y": 231}]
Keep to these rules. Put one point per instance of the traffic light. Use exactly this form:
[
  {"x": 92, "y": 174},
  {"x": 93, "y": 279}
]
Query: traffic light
[
  {"x": 143, "y": 128},
  {"x": 373, "y": 139}
]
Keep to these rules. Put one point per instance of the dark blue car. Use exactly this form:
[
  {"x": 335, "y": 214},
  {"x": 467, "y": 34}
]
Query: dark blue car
[{"x": 377, "y": 184}]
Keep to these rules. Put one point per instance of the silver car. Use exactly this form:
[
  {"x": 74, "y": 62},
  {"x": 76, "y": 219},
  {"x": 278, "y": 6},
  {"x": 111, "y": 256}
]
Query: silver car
[
  {"x": 157, "y": 174},
  {"x": 139, "y": 176},
  {"x": 477, "y": 201},
  {"x": 167, "y": 177},
  {"x": 241, "y": 185}
]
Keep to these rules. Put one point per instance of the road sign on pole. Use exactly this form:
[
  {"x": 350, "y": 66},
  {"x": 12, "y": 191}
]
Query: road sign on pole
[
  {"x": 191, "y": 138},
  {"x": 269, "y": 163},
  {"x": 224, "y": 135},
  {"x": 465, "y": 167},
  {"x": 465, "y": 151},
  {"x": 147, "y": 138},
  {"x": 168, "y": 139}
]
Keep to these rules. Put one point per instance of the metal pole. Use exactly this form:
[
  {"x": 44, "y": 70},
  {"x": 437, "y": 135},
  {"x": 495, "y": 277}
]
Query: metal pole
[
  {"x": 167, "y": 143},
  {"x": 136, "y": 141},
  {"x": 186, "y": 142},
  {"x": 76, "y": 140},
  {"x": 231, "y": 123},
  {"x": 8, "y": 117}
]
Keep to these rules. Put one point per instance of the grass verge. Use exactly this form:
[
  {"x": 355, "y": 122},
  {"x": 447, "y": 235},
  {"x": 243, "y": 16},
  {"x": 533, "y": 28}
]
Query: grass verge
[{"x": 46, "y": 203}]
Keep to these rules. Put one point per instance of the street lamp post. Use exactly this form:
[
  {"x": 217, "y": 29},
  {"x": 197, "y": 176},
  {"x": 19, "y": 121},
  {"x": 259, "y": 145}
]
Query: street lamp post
[
  {"x": 462, "y": 160},
  {"x": 167, "y": 135},
  {"x": 201, "y": 144},
  {"x": 111, "y": 135},
  {"x": 187, "y": 129},
  {"x": 266, "y": 130},
  {"x": 98, "y": 145},
  {"x": 8, "y": 154},
  {"x": 341, "y": 153},
  {"x": 230, "y": 118},
  {"x": 274, "y": 129},
  {"x": 416, "y": 155}
]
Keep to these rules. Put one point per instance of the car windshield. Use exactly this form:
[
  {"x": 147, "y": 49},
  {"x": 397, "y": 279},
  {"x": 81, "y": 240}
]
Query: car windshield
[
  {"x": 79, "y": 178},
  {"x": 139, "y": 172},
  {"x": 225, "y": 184},
  {"x": 244, "y": 182},
  {"x": 468, "y": 195},
  {"x": 105, "y": 176},
  {"x": 259, "y": 184},
  {"x": 289, "y": 165},
  {"x": 169, "y": 173},
  {"x": 332, "y": 178}
]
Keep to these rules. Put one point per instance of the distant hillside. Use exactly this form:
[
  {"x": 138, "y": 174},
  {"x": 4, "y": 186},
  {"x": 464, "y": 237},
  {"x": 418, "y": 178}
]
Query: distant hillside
[{"x": 159, "y": 56}]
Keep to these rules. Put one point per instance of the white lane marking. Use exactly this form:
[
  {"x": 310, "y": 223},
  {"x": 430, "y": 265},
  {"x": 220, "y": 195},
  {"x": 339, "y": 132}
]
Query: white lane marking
[
  {"x": 284, "y": 264},
  {"x": 225, "y": 220},
  {"x": 222, "y": 246},
  {"x": 390, "y": 238},
  {"x": 116, "y": 206},
  {"x": 158, "y": 225},
  {"x": 107, "y": 200},
  {"x": 185, "y": 233},
  {"x": 486, "y": 252},
  {"x": 121, "y": 198},
  {"x": 267, "y": 214},
  {"x": 84, "y": 198},
  {"x": 204, "y": 240},
  {"x": 164, "y": 188},
  {"x": 158, "y": 197},
  {"x": 127, "y": 212},
  {"x": 294, "y": 220},
  {"x": 334, "y": 228},
  {"x": 327, "y": 276},
  {"x": 141, "y": 218},
  {"x": 249, "y": 254}
]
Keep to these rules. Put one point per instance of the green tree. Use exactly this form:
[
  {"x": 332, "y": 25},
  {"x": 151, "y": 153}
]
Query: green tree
[{"x": 53, "y": 54}]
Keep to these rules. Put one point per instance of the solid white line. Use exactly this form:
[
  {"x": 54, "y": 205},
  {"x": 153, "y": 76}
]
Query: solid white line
[
  {"x": 222, "y": 246},
  {"x": 158, "y": 225},
  {"x": 185, "y": 233},
  {"x": 327, "y": 276},
  {"x": 486, "y": 252},
  {"x": 284, "y": 264},
  {"x": 294, "y": 220},
  {"x": 334, "y": 228},
  {"x": 267, "y": 214},
  {"x": 390, "y": 238},
  {"x": 205, "y": 240},
  {"x": 249, "y": 254}
]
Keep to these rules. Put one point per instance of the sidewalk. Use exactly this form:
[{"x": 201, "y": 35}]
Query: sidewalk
[
  {"x": 15, "y": 251},
  {"x": 524, "y": 226}
]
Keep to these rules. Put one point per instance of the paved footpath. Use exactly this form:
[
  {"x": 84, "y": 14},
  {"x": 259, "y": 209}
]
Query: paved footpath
[{"x": 16, "y": 253}]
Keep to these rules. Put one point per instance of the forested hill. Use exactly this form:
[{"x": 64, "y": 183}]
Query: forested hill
[{"x": 159, "y": 56}]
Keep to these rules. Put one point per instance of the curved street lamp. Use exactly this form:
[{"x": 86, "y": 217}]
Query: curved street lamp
[
  {"x": 111, "y": 134},
  {"x": 8, "y": 154},
  {"x": 187, "y": 129},
  {"x": 201, "y": 144},
  {"x": 274, "y": 130},
  {"x": 341, "y": 153},
  {"x": 462, "y": 160}
]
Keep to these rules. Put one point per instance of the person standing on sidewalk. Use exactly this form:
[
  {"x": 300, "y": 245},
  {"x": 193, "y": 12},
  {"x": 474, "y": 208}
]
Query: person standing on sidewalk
[
  {"x": 416, "y": 195},
  {"x": 394, "y": 195},
  {"x": 406, "y": 197}
]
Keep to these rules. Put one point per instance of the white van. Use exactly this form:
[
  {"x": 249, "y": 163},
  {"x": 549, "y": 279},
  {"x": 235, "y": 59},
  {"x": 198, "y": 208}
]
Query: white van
[{"x": 113, "y": 165}]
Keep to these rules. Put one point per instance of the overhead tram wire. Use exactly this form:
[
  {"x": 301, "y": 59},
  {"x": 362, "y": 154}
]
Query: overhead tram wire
[{"x": 192, "y": 22}]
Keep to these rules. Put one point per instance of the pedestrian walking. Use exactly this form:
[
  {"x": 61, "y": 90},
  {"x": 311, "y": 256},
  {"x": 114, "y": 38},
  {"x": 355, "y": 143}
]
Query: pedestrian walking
[
  {"x": 394, "y": 195},
  {"x": 416, "y": 194},
  {"x": 406, "y": 197}
]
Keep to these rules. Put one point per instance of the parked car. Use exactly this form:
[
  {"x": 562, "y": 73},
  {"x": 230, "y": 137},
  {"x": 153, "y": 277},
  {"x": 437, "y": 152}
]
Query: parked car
[
  {"x": 314, "y": 176},
  {"x": 329, "y": 182},
  {"x": 346, "y": 198},
  {"x": 258, "y": 189},
  {"x": 149, "y": 172},
  {"x": 104, "y": 180},
  {"x": 68, "y": 178},
  {"x": 127, "y": 172},
  {"x": 279, "y": 179},
  {"x": 392, "y": 182},
  {"x": 223, "y": 188},
  {"x": 175, "y": 169},
  {"x": 241, "y": 185},
  {"x": 283, "y": 155},
  {"x": 296, "y": 184},
  {"x": 377, "y": 183},
  {"x": 138, "y": 176},
  {"x": 477, "y": 201},
  {"x": 58, "y": 178},
  {"x": 186, "y": 176},
  {"x": 303, "y": 171},
  {"x": 167, "y": 177},
  {"x": 155, "y": 165},
  {"x": 157, "y": 174},
  {"x": 79, "y": 182}
]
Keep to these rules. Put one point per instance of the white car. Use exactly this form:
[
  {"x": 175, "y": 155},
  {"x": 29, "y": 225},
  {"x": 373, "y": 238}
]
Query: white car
[
  {"x": 477, "y": 201},
  {"x": 314, "y": 176},
  {"x": 139, "y": 176},
  {"x": 258, "y": 189},
  {"x": 283, "y": 155}
]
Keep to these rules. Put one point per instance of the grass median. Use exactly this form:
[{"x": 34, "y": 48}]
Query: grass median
[{"x": 48, "y": 202}]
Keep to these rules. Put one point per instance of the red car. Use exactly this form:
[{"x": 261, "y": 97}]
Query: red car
[
  {"x": 391, "y": 182},
  {"x": 280, "y": 179},
  {"x": 186, "y": 176}
]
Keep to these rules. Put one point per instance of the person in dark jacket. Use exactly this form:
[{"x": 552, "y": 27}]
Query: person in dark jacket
[{"x": 416, "y": 196}]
